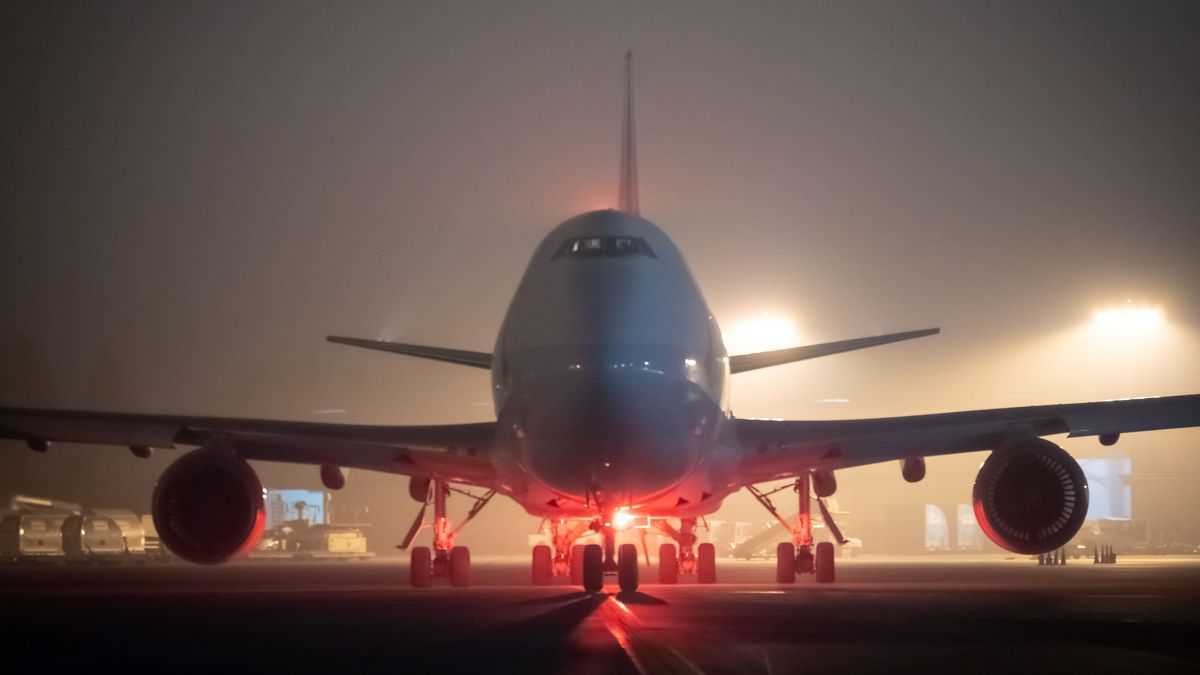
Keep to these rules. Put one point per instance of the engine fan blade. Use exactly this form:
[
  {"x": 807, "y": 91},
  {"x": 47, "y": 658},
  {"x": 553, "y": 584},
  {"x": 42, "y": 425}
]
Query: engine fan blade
[{"x": 416, "y": 527}]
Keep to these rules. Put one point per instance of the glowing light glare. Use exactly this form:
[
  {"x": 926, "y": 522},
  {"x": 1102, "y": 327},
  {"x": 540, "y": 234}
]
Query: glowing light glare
[
  {"x": 761, "y": 333},
  {"x": 1127, "y": 321},
  {"x": 622, "y": 518}
]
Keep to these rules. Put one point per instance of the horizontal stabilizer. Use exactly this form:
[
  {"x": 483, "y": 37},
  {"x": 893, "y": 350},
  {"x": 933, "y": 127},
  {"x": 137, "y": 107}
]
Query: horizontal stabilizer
[
  {"x": 744, "y": 362},
  {"x": 459, "y": 356}
]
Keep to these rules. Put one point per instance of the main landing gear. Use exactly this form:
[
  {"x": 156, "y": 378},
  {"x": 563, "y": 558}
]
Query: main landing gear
[
  {"x": 564, "y": 559},
  {"x": 444, "y": 559},
  {"x": 797, "y": 557},
  {"x": 689, "y": 558}
]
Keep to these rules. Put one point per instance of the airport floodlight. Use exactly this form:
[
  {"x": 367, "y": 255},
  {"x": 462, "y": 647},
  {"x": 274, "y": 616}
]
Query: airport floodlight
[
  {"x": 1127, "y": 321},
  {"x": 762, "y": 332}
]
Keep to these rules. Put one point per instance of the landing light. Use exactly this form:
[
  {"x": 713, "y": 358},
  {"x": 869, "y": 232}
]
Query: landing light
[{"x": 622, "y": 518}]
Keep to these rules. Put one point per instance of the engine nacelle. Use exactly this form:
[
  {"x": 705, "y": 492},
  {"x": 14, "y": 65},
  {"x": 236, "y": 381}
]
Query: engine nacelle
[
  {"x": 824, "y": 483},
  {"x": 418, "y": 488},
  {"x": 333, "y": 477},
  {"x": 208, "y": 507},
  {"x": 913, "y": 469},
  {"x": 1031, "y": 497}
]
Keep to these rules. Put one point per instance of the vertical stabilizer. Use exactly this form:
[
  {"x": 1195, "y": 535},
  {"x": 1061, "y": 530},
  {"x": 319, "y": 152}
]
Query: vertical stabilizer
[{"x": 628, "y": 195}]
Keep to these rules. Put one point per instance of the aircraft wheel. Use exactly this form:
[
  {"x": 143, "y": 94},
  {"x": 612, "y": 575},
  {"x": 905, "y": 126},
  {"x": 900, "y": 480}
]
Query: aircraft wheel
[
  {"x": 825, "y": 570},
  {"x": 627, "y": 568},
  {"x": 593, "y": 568},
  {"x": 420, "y": 569},
  {"x": 577, "y": 565},
  {"x": 706, "y": 564},
  {"x": 460, "y": 566},
  {"x": 543, "y": 570},
  {"x": 668, "y": 565},
  {"x": 785, "y": 563}
]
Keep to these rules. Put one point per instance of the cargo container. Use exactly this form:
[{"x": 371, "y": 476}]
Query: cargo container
[
  {"x": 90, "y": 538},
  {"x": 32, "y": 535},
  {"x": 131, "y": 526},
  {"x": 111, "y": 535}
]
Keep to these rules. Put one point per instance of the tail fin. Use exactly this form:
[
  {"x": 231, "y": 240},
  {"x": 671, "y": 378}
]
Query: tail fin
[{"x": 628, "y": 195}]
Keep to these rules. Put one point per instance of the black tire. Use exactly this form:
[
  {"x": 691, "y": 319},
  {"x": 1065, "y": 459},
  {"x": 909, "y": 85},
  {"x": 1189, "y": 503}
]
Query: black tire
[
  {"x": 543, "y": 566},
  {"x": 420, "y": 570},
  {"x": 706, "y": 564},
  {"x": 627, "y": 568},
  {"x": 825, "y": 568},
  {"x": 593, "y": 568},
  {"x": 460, "y": 567},
  {"x": 785, "y": 563},
  {"x": 668, "y": 565},
  {"x": 577, "y": 565}
]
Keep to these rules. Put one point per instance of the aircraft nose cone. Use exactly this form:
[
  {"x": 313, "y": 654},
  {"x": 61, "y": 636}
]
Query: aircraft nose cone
[{"x": 612, "y": 439}]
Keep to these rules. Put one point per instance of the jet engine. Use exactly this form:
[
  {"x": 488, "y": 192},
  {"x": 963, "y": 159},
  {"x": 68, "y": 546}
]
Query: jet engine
[
  {"x": 208, "y": 507},
  {"x": 1030, "y": 497},
  {"x": 824, "y": 483}
]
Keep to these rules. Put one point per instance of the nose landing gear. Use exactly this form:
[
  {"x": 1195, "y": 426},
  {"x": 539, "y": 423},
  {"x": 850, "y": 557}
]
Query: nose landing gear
[
  {"x": 600, "y": 561},
  {"x": 587, "y": 565}
]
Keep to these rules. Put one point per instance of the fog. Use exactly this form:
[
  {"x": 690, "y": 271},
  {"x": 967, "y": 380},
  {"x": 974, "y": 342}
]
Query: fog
[{"x": 194, "y": 196}]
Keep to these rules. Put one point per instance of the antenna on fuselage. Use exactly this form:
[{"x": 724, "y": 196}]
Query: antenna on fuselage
[{"x": 628, "y": 196}]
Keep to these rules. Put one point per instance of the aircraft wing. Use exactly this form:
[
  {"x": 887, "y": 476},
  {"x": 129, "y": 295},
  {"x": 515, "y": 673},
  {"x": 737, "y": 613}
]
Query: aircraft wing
[
  {"x": 780, "y": 449},
  {"x": 460, "y": 452},
  {"x": 746, "y": 362}
]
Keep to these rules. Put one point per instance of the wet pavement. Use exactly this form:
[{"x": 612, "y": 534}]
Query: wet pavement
[{"x": 882, "y": 616}]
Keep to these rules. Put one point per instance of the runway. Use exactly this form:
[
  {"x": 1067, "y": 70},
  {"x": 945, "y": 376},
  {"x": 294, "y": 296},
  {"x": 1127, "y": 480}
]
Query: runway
[{"x": 883, "y": 615}]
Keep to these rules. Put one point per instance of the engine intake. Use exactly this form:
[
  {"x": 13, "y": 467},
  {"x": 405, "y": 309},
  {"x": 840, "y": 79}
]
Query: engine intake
[
  {"x": 208, "y": 507},
  {"x": 1031, "y": 498}
]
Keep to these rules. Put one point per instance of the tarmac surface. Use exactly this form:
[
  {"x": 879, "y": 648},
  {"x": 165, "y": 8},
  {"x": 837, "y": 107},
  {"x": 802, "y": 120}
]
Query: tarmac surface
[{"x": 944, "y": 614}]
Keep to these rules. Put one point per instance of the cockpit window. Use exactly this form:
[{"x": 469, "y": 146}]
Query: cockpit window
[{"x": 611, "y": 247}]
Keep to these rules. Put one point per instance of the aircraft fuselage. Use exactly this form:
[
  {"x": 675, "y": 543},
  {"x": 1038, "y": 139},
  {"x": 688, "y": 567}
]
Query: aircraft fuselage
[{"x": 610, "y": 378}]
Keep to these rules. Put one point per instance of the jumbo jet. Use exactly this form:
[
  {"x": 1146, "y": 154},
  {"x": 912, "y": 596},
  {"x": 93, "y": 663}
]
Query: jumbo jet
[{"x": 611, "y": 387}]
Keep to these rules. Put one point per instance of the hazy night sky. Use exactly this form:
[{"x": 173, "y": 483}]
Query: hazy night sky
[{"x": 193, "y": 196}]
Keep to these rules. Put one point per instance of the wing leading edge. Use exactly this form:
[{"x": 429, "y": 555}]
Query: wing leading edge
[
  {"x": 460, "y": 356},
  {"x": 778, "y": 449},
  {"x": 455, "y": 451}
]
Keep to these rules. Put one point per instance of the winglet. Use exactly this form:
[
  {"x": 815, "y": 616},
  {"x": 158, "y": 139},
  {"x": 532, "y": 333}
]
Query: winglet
[
  {"x": 628, "y": 194},
  {"x": 744, "y": 362}
]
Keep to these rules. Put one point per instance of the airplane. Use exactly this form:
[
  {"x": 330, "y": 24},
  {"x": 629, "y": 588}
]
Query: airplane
[{"x": 611, "y": 388}]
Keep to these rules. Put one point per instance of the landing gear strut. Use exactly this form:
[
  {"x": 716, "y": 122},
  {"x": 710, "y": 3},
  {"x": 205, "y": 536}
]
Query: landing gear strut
[
  {"x": 565, "y": 557},
  {"x": 691, "y": 559},
  {"x": 621, "y": 561},
  {"x": 587, "y": 565},
  {"x": 446, "y": 559},
  {"x": 797, "y": 557}
]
